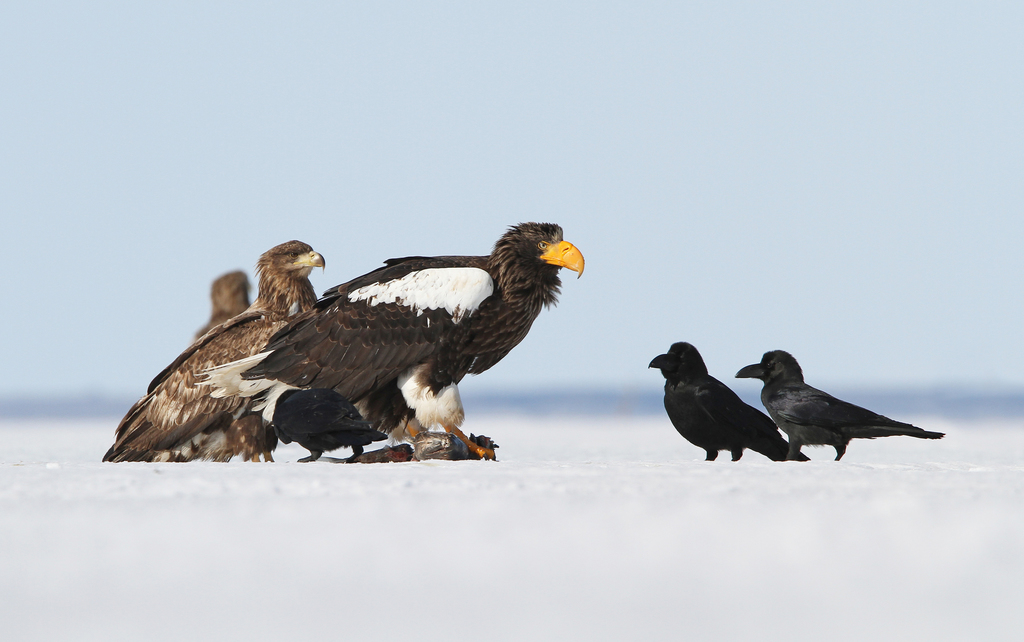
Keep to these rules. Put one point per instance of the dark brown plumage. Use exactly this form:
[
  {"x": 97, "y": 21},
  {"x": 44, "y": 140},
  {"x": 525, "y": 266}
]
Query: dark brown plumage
[
  {"x": 180, "y": 421},
  {"x": 397, "y": 341},
  {"x": 229, "y": 296}
]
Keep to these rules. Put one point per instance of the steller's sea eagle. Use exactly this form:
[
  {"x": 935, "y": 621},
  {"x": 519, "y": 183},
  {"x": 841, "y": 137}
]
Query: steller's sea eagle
[
  {"x": 178, "y": 421},
  {"x": 397, "y": 341},
  {"x": 229, "y": 295}
]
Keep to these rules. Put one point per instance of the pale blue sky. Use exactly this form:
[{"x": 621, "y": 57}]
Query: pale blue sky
[{"x": 844, "y": 181}]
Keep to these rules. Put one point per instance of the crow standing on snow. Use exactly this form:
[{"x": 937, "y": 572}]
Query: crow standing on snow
[
  {"x": 708, "y": 414},
  {"x": 812, "y": 417},
  {"x": 320, "y": 419}
]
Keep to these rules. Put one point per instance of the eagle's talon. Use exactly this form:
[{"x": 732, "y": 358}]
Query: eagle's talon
[
  {"x": 483, "y": 441},
  {"x": 480, "y": 452},
  {"x": 476, "y": 449}
]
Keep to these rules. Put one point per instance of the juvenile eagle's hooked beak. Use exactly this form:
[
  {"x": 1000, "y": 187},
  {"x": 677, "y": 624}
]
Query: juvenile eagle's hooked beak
[
  {"x": 565, "y": 255},
  {"x": 311, "y": 260}
]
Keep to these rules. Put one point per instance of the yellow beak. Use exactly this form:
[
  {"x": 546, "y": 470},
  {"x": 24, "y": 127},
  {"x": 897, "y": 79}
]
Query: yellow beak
[
  {"x": 565, "y": 255},
  {"x": 312, "y": 259}
]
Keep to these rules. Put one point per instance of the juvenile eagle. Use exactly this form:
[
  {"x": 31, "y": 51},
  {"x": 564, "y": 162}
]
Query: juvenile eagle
[
  {"x": 229, "y": 295},
  {"x": 397, "y": 341},
  {"x": 178, "y": 421}
]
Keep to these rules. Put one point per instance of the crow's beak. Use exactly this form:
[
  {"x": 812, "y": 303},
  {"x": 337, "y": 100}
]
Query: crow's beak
[
  {"x": 661, "y": 361},
  {"x": 753, "y": 371}
]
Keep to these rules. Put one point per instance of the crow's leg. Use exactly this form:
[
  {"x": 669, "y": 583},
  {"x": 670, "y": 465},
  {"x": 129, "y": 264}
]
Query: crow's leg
[
  {"x": 737, "y": 453},
  {"x": 794, "y": 449},
  {"x": 313, "y": 456},
  {"x": 712, "y": 455},
  {"x": 840, "y": 451},
  {"x": 356, "y": 451}
]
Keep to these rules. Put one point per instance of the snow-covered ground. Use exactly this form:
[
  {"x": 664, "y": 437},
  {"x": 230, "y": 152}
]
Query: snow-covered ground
[{"x": 588, "y": 529}]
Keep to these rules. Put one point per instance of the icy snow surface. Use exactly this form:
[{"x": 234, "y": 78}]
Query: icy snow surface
[{"x": 587, "y": 529}]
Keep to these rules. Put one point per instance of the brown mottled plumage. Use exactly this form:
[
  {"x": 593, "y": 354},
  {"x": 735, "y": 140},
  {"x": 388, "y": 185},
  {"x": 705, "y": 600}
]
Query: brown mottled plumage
[
  {"x": 396, "y": 341},
  {"x": 178, "y": 420},
  {"x": 229, "y": 296}
]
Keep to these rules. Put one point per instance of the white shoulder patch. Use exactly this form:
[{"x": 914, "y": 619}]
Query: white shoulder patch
[{"x": 459, "y": 291}]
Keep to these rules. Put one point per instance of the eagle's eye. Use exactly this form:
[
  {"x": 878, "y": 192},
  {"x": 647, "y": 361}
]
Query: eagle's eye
[
  {"x": 294, "y": 255},
  {"x": 543, "y": 245}
]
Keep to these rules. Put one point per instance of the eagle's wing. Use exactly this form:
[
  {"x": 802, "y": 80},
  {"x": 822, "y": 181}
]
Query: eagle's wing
[
  {"x": 214, "y": 334},
  {"x": 368, "y": 331},
  {"x": 175, "y": 410}
]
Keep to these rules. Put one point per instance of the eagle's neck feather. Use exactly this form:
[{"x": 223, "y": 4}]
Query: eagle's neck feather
[{"x": 284, "y": 294}]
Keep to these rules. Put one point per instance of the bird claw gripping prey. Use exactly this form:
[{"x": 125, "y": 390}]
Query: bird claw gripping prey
[
  {"x": 483, "y": 441},
  {"x": 479, "y": 447}
]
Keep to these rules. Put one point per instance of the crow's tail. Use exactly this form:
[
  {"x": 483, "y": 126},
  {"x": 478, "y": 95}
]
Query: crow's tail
[{"x": 870, "y": 432}]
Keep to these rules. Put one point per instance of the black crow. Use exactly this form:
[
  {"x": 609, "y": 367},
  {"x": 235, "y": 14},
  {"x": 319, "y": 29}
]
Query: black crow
[
  {"x": 320, "y": 419},
  {"x": 812, "y": 417},
  {"x": 708, "y": 414}
]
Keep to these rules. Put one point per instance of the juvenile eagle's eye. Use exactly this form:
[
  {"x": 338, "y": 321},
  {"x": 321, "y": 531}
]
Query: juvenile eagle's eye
[{"x": 294, "y": 255}]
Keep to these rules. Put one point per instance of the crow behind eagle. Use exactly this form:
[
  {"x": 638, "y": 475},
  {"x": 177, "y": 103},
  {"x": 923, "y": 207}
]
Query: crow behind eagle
[
  {"x": 178, "y": 421},
  {"x": 398, "y": 340},
  {"x": 229, "y": 296},
  {"x": 319, "y": 420}
]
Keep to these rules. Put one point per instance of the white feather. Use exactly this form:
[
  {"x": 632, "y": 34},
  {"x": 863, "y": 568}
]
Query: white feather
[
  {"x": 459, "y": 291},
  {"x": 443, "y": 409},
  {"x": 269, "y": 404},
  {"x": 226, "y": 380}
]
